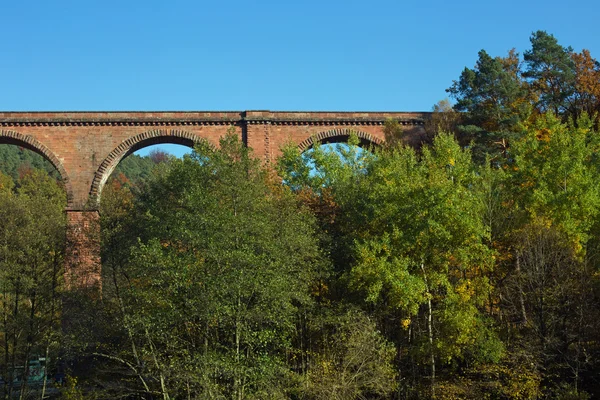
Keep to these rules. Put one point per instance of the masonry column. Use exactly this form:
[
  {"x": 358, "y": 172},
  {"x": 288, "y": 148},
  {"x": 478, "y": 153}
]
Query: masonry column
[
  {"x": 258, "y": 134},
  {"x": 82, "y": 261}
]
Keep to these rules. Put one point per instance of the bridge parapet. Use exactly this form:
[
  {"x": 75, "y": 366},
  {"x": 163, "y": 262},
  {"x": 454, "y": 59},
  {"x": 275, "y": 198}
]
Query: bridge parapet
[{"x": 78, "y": 143}]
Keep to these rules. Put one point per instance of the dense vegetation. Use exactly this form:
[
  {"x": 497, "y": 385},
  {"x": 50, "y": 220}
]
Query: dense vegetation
[
  {"x": 466, "y": 268},
  {"x": 16, "y": 161}
]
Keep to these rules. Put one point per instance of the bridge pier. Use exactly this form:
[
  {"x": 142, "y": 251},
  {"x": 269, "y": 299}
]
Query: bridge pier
[{"x": 83, "y": 269}]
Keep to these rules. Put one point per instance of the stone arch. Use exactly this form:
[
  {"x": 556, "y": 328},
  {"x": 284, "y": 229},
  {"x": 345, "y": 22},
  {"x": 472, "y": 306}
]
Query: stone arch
[
  {"x": 331, "y": 135},
  {"x": 30, "y": 143},
  {"x": 134, "y": 143}
]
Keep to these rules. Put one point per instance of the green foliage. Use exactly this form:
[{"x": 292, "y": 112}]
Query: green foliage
[
  {"x": 541, "y": 208},
  {"x": 320, "y": 167},
  {"x": 499, "y": 94},
  {"x": 490, "y": 93},
  {"x": 16, "y": 161},
  {"x": 32, "y": 236},
  {"x": 71, "y": 391},
  {"x": 425, "y": 240},
  {"x": 209, "y": 268},
  {"x": 431, "y": 235},
  {"x": 138, "y": 169},
  {"x": 555, "y": 175},
  {"x": 494, "y": 100},
  {"x": 551, "y": 72},
  {"x": 412, "y": 230},
  {"x": 356, "y": 364}
]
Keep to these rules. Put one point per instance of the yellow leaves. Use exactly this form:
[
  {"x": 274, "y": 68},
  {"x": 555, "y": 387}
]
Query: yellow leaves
[
  {"x": 543, "y": 222},
  {"x": 181, "y": 248},
  {"x": 405, "y": 323},
  {"x": 577, "y": 247},
  {"x": 6, "y": 183},
  {"x": 465, "y": 290},
  {"x": 544, "y": 134},
  {"x": 327, "y": 367},
  {"x": 527, "y": 184},
  {"x": 320, "y": 289}
]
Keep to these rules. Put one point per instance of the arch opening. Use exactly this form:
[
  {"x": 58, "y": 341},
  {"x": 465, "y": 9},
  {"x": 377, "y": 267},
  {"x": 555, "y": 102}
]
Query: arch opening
[
  {"x": 133, "y": 145},
  {"x": 43, "y": 158},
  {"x": 137, "y": 167},
  {"x": 366, "y": 140}
]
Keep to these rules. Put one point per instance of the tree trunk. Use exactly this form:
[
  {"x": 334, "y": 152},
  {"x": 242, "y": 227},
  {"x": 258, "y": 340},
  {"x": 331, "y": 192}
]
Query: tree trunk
[
  {"x": 163, "y": 385},
  {"x": 29, "y": 345},
  {"x": 5, "y": 310},
  {"x": 237, "y": 380},
  {"x": 430, "y": 331},
  {"x": 520, "y": 289},
  {"x": 14, "y": 339}
]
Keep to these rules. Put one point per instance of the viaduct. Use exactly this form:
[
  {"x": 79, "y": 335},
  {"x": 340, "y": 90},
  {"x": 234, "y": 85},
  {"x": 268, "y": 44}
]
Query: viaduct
[{"x": 85, "y": 147}]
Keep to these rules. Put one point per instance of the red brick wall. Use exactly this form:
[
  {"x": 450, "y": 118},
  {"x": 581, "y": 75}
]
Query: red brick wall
[{"x": 82, "y": 263}]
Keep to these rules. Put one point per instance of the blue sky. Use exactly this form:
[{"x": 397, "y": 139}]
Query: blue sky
[{"x": 278, "y": 55}]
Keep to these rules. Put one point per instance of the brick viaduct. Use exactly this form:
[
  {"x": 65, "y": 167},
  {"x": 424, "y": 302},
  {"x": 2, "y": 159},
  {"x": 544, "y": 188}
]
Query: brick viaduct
[{"x": 85, "y": 147}]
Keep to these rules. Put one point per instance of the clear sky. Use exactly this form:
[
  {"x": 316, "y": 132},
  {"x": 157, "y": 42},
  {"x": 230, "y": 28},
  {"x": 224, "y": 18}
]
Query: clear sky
[{"x": 279, "y": 55}]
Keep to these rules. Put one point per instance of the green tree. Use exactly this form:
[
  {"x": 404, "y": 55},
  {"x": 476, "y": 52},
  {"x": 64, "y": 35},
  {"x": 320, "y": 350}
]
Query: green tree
[
  {"x": 354, "y": 362},
  {"x": 491, "y": 93},
  {"x": 556, "y": 201},
  {"x": 550, "y": 69},
  {"x": 210, "y": 294},
  {"x": 411, "y": 241},
  {"x": 493, "y": 98},
  {"x": 555, "y": 175},
  {"x": 32, "y": 235},
  {"x": 424, "y": 252}
]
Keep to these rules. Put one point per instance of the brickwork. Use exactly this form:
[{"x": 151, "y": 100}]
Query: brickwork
[
  {"x": 85, "y": 147},
  {"x": 82, "y": 264}
]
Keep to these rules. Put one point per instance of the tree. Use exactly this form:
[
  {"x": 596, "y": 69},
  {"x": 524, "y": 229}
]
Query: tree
[
  {"x": 554, "y": 175},
  {"x": 548, "y": 199},
  {"x": 393, "y": 133},
  {"x": 587, "y": 83},
  {"x": 354, "y": 362},
  {"x": 443, "y": 119},
  {"x": 551, "y": 72},
  {"x": 494, "y": 100},
  {"x": 491, "y": 94},
  {"x": 411, "y": 244},
  {"x": 32, "y": 237},
  {"x": 210, "y": 293},
  {"x": 14, "y": 159}
]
